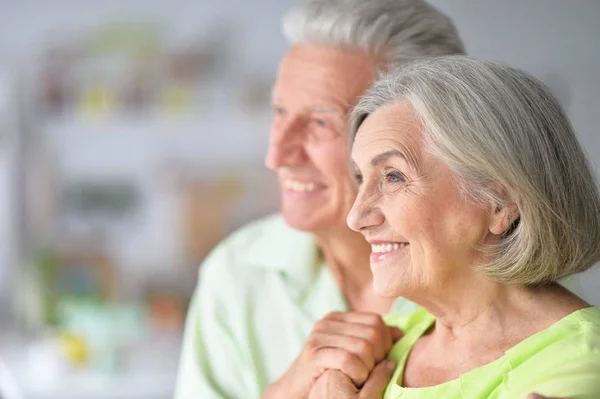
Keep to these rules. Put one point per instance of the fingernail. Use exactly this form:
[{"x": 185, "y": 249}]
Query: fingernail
[{"x": 390, "y": 365}]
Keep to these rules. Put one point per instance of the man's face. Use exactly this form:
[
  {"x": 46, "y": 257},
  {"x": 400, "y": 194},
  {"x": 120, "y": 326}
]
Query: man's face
[{"x": 315, "y": 89}]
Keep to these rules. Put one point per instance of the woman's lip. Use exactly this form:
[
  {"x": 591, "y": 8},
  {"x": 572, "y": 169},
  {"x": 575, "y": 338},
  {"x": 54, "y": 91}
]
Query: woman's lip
[
  {"x": 380, "y": 254},
  {"x": 377, "y": 242}
]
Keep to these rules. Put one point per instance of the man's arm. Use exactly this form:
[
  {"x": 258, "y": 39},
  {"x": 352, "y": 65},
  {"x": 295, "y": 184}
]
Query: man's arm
[{"x": 212, "y": 363}]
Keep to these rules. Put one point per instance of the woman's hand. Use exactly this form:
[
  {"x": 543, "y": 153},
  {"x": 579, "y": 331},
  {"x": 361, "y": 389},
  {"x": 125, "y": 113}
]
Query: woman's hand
[
  {"x": 335, "y": 384},
  {"x": 351, "y": 342},
  {"x": 538, "y": 396}
]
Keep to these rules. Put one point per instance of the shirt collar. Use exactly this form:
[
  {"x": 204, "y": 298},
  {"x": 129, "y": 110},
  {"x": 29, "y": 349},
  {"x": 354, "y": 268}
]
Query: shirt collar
[{"x": 283, "y": 249}]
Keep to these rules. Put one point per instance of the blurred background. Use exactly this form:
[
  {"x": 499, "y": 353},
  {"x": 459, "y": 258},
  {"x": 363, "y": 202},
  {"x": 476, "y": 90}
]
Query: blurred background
[{"x": 132, "y": 134}]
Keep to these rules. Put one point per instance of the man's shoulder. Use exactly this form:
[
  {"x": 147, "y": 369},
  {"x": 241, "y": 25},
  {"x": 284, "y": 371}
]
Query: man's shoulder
[
  {"x": 263, "y": 237},
  {"x": 266, "y": 244},
  {"x": 264, "y": 230}
]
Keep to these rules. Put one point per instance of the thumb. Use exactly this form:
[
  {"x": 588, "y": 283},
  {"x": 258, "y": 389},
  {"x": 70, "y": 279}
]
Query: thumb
[{"x": 378, "y": 380}]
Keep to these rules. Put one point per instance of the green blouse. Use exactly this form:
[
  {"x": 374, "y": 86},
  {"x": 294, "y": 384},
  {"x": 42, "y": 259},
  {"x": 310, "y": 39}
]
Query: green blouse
[{"x": 562, "y": 360}]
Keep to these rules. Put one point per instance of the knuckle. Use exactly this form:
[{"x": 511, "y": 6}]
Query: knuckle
[
  {"x": 347, "y": 360},
  {"x": 373, "y": 334},
  {"x": 320, "y": 325},
  {"x": 311, "y": 345},
  {"x": 364, "y": 347},
  {"x": 379, "y": 323},
  {"x": 332, "y": 316},
  {"x": 375, "y": 319}
]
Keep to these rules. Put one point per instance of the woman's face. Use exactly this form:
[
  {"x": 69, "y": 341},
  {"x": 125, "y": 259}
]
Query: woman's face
[{"x": 422, "y": 230}]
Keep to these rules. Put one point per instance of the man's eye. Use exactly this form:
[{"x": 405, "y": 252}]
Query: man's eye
[
  {"x": 321, "y": 122},
  {"x": 358, "y": 178},
  {"x": 279, "y": 110}
]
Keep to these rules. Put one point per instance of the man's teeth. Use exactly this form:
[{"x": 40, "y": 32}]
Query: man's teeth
[
  {"x": 379, "y": 248},
  {"x": 300, "y": 187}
]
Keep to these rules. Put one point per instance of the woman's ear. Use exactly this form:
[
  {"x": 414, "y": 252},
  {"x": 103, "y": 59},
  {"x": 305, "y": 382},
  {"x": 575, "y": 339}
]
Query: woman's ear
[{"x": 503, "y": 217}]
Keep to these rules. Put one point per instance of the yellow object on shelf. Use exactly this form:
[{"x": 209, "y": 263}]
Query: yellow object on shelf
[
  {"x": 75, "y": 347},
  {"x": 98, "y": 101}
]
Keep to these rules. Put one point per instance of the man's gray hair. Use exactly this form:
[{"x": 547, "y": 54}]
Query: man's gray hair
[
  {"x": 396, "y": 30},
  {"x": 508, "y": 140}
]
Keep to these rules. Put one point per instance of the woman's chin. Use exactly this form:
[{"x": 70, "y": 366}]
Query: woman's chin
[{"x": 385, "y": 288}]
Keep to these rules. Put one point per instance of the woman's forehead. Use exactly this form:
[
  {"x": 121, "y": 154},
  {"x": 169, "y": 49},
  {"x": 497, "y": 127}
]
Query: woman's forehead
[{"x": 394, "y": 126}]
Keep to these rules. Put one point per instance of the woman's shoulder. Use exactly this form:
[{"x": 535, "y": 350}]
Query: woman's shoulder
[
  {"x": 579, "y": 332},
  {"x": 580, "y": 329},
  {"x": 589, "y": 316},
  {"x": 562, "y": 360}
]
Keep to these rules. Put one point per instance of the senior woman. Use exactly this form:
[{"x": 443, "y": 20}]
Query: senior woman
[{"x": 477, "y": 198}]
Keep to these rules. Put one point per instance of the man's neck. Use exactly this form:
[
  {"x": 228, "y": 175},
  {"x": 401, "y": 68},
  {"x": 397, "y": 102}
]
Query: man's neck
[{"x": 347, "y": 255}]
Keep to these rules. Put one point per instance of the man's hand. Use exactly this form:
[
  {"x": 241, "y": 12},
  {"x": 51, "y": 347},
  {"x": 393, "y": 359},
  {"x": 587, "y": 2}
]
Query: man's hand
[
  {"x": 352, "y": 343},
  {"x": 335, "y": 384}
]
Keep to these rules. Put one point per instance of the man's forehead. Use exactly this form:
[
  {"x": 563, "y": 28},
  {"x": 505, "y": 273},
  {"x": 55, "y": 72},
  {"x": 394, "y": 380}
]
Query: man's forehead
[
  {"x": 326, "y": 105},
  {"x": 328, "y": 63}
]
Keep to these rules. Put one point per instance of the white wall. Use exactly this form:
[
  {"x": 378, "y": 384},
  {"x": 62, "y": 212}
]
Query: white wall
[{"x": 557, "y": 40}]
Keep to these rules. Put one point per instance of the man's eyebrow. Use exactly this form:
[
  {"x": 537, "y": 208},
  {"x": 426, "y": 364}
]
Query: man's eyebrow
[{"x": 323, "y": 108}]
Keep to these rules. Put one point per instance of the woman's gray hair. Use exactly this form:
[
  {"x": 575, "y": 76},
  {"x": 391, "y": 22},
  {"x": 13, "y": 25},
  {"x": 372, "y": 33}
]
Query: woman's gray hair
[
  {"x": 396, "y": 30},
  {"x": 507, "y": 140}
]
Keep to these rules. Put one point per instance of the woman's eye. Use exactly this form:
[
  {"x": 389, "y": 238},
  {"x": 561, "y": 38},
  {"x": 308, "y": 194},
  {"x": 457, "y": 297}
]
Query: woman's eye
[
  {"x": 391, "y": 177},
  {"x": 321, "y": 122},
  {"x": 394, "y": 177}
]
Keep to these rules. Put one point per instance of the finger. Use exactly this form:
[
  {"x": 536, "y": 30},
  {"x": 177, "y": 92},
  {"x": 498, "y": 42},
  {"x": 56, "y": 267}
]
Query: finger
[
  {"x": 380, "y": 338},
  {"x": 538, "y": 396},
  {"x": 358, "y": 346},
  {"x": 379, "y": 379},
  {"x": 355, "y": 317},
  {"x": 344, "y": 361},
  {"x": 366, "y": 318},
  {"x": 389, "y": 335}
]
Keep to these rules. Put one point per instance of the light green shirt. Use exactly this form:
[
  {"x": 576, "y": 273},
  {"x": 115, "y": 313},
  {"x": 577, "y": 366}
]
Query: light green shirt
[
  {"x": 260, "y": 292},
  {"x": 560, "y": 361}
]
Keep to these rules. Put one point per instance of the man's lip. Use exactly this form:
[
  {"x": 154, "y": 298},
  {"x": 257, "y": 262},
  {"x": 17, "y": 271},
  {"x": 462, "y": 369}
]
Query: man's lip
[{"x": 316, "y": 183}]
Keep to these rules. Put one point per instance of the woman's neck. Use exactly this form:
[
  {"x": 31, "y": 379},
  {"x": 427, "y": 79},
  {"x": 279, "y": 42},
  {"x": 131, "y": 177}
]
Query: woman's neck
[
  {"x": 497, "y": 315},
  {"x": 347, "y": 255},
  {"x": 481, "y": 302},
  {"x": 469, "y": 333}
]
